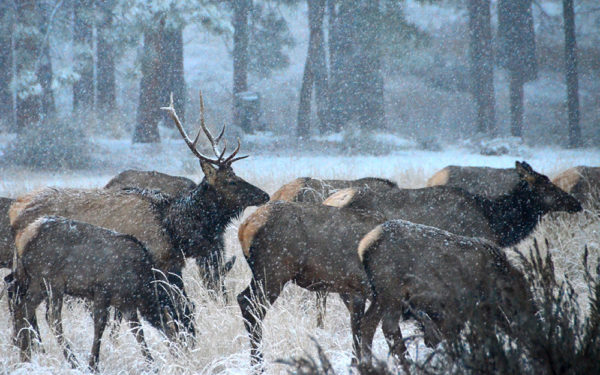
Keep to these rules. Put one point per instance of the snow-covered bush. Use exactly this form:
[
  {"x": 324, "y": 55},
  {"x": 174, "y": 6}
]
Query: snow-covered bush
[{"x": 49, "y": 144}]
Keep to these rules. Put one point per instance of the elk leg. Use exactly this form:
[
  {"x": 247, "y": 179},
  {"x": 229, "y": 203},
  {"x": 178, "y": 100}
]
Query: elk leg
[
  {"x": 136, "y": 328},
  {"x": 368, "y": 327},
  {"x": 356, "y": 307},
  {"x": 253, "y": 303},
  {"x": 100, "y": 315},
  {"x": 174, "y": 279},
  {"x": 321, "y": 307},
  {"x": 393, "y": 335},
  {"x": 54, "y": 319}
]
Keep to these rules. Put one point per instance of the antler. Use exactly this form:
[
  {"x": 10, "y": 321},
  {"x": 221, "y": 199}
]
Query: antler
[{"x": 213, "y": 142}]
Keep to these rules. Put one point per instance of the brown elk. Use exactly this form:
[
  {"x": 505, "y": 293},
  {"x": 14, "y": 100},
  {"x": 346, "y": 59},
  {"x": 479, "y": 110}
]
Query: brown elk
[
  {"x": 505, "y": 220},
  {"x": 484, "y": 181},
  {"x": 57, "y": 256},
  {"x": 582, "y": 182},
  {"x": 311, "y": 245},
  {"x": 7, "y": 241},
  {"x": 439, "y": 278},
  {"x": 313, "y": 190},
  {"x": 192, "y": 225},
  {"x": 174, "y": 186}
]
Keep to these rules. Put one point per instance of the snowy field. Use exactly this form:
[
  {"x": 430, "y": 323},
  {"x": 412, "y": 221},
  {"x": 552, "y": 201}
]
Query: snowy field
[{"x": 222, "y": 344}]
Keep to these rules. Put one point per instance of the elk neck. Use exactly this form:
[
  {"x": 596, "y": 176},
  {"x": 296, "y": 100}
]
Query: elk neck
[{"x": 512, "y": 216}]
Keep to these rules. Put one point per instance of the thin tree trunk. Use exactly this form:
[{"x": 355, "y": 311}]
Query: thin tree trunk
[
  {"x": 336, "y": 35},
  {"x": 321, "y": 75},
  {"x": 571, "y": 75},
  {"x": 6, "y": 61},
  {"x": 105, "y": 58},
  {"x": 173, "y": 70},
  {"x": 241, "y": 10},
  {"x": 83, "y": 88},
  {"x": 148, "y": 113},
  {"x": 516, "y": 104},
  {"x": 482, "y": 68},
  {"x": 316, "y": 10}
]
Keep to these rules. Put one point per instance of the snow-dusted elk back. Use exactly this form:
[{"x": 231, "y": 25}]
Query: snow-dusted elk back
[
  {"x": 171, "y": 228},
  {"x": 312, "y": 245},
  {"x": 505, "y": 220},
  {"x": 484, "y": 181},
  {"x": 173, "y": 186},
  {"x": 582, "y": 182},
  {"x": 7, "y": 241},
  {"x": 314, "y": 190},
  {"x": 68, "y": 257},
  {"x": 440, "y": 279}
]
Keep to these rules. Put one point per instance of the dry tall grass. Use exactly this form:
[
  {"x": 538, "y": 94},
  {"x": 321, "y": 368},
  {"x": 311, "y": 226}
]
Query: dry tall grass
[{"x": 222, "y": 344}]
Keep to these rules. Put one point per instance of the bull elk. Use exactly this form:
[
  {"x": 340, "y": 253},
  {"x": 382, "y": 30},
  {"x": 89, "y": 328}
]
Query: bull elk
[
  {"x": 174, "y": 186},
  {"x": 57, "y": 256},
  {"x": 582, "y": 182},
  {"x": 439, "y": 278},
  {"x": 505, "y": 220},
  {"x": 484, "y": 181},
  {"x": 191, "y": 225},
  {"x": 311, "y": 245},
  {"x": 313, "y": 190}
]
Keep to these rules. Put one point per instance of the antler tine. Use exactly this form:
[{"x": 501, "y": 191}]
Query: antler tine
[
  {"x": 224, "y": 149},
  {"x": 231, "y": 158},
  {"x": 210, "y": 137},
  {"x": 191, "y": 145},
  {"x": 221, "y": 134}
]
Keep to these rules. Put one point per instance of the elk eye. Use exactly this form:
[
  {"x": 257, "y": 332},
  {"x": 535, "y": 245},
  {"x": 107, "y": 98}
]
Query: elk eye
[{"x": 232, "y": 183}]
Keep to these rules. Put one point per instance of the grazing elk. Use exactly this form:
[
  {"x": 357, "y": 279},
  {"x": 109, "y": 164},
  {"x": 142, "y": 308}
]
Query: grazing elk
[
  {"x": 311, "y": 245},
  {"x": 582, "y": 182},
  {"x": 505, "y": 220},
  {"x": 441, "y": 279},
  {"x": 313, "y": 190},
  {"x": 173, "y": 186},
  {"x": 7, "y": 241},
  {"x": 192, "y": 225},
  {"x": 58, "y": 256},
  {"x": 484, "y": 181}
]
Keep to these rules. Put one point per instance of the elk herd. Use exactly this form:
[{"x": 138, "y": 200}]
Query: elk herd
[{"x": 432, "y": 254}]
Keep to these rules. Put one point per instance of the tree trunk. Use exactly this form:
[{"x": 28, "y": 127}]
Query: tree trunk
[
  {"x": 571, "y": 75},
  {"x": 316, "y": 11},
  {"x": 105, "y": 58},
  {"x": 83, "y": 88},
  {"x": 45, "y": 72},
  {"x": 241, "y": 10},
  {"x": 482, "y": 68},
  {"x": 321, "y": 76},
  {"x": 337, "y": 35},
  {"x": 27, "y": 54},
  {"x": 6, "y": 61},
  {"x": 173, "y": 70},
  {"x": 516, "y": 104},
  {"x": 148, "y": 113}
]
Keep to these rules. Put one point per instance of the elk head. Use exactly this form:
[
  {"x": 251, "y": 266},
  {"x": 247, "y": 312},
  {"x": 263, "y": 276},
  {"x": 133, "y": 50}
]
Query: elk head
[
  {"x": 547, "y": 196},
  {"x": 233, "y": 192}
]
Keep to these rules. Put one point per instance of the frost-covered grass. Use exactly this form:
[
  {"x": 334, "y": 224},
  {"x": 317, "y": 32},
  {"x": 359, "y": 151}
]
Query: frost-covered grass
[{"x": 222, "y": 344}]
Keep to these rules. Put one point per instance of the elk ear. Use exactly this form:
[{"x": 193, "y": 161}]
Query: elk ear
[
  {"x": 210, "y": 172},
  {"x": 525, "y": 172}
]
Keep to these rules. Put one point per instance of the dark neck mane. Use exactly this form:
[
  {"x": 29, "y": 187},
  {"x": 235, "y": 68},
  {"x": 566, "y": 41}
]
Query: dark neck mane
[{"x": 512, "y": 216}]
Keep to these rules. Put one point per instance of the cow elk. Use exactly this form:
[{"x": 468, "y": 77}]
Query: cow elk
[
  {"x": 505, "y": 220},
  {"x": 311, "y": 245},
  {"x": 191, "y": 225},
  {"x": 315, "y": 191},
  {"x": 582, "y": 182},
  {"x": 439, "y": 278},
  {"x": 57, "y": 257},
  {"x": 173, "y": 186},
  {"x": 484, "y": 181}
]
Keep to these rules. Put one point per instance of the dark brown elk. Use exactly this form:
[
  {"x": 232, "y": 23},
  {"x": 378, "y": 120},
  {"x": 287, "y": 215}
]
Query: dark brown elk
[
  {"x": 314, "y": 190},
  {"x": 58, "y": 257},
  {"x": 173, "y": 186},
  {"x": 172, "y": 229},
  {"x": 311, "y": 245},
  {"x": 505, "y": 220},
  {"x": 440, "y": 279},
  {"x": 7, "y": 241},
  {"x": 582, "y": 182},
  {"x": 484, "y": 181}
]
